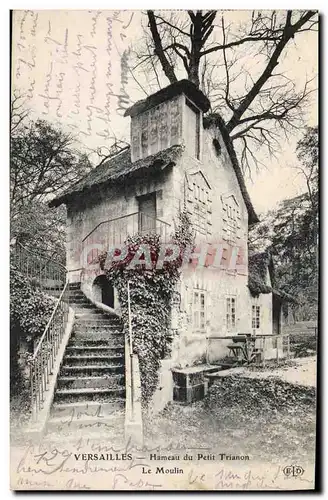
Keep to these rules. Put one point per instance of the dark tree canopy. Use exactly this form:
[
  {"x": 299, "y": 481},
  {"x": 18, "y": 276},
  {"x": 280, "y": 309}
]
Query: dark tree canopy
[
  {"x": 43, "y": 162},
  {"x": 291, "y": 233}
]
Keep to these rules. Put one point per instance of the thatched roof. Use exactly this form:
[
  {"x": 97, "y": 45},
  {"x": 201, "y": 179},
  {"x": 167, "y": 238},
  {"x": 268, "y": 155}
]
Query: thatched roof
[
  {"x": 118, "y": 167},
  {"x": 216, "y": 120},
  {"x": 258, "y": 266},
  {"x": 182, "y": 86}
]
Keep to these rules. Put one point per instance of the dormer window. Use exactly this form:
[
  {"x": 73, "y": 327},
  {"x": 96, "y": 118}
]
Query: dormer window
[
  {"x": 199, "y": 200},
  {"x": 231, "y": 219},
  {"x": 192, "y": 130}
]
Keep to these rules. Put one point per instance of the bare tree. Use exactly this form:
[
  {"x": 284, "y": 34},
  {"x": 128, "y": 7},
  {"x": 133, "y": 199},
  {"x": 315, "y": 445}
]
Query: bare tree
[
  {"x": 258, "y": 104},
  {"x": 18, "y": 111}
]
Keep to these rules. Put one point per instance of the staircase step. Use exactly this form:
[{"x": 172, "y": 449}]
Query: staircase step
[
  {"x": 90, "y": 360},
  {"x": 95, "y": 321},
  {"x": 96, "y": 325},
  {"x": 114, "y": 342},
  {"x": 105, "y": 330},
  {"x": 99, "y": 336},
  {"x": 91, "y": 357},
  {"x": 82, "y": 305},
  {"x": 92, "y": 369},
  {"x": 91, "y": 315},
  {"x": 96, "y": 315},
  {"x": 79, "y": 350},
  {"x": 75, "y": 286},
  {"x": 89, "y": 394},
  {"x": 94, "y": 382}
]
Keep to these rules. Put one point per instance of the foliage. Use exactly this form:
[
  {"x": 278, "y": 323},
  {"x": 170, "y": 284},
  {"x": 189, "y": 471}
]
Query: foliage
[
  {"x": 258, "y": 394},
  {"x": 291, "y": 234},
  {"x": 41, "y": 229},
  {"x": 303, "y": 344},
  {"x": 30, "y": 308},
  {"x": 258, "y": 100},
  {"x": 151, "y": 292},
  {"x": 43, "y": 162}
]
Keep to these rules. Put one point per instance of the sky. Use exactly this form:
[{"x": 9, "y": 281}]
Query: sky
[{"x": 74, "y": 67}]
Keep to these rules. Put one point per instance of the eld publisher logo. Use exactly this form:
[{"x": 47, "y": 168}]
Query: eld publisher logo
[{"x": 293, "y": 471}]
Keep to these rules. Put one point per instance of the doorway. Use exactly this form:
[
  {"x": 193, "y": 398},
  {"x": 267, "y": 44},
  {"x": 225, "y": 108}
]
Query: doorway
[{"x": 103, "y": 291}]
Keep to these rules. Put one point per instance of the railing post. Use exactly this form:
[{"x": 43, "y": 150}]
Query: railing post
[
  {"x": 207, "y": 351},
  {"x": 263, "y": 339},
  {"x": 131, "y": 350},
  {"x": 277, "y": 355}
]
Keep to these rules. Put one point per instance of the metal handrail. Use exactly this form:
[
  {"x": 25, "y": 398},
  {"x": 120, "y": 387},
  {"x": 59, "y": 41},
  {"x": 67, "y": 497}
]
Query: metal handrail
[
  {"x": 121, "y": 217},
  {"x": 37, "y": 265},
  {"x": 256, "y": 336},
  {"x": 40, "y": 254},
  {"x": 262, "y": 337},
  {"x": 50, "y": 320},
  {"x": 44, "y": 356}
]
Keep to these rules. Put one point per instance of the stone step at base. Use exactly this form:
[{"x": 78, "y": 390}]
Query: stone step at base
[
  {"x": 96, "y": 382},
  {"x": 113, "y": 424},
  {"x": 99, "y": 395},
  {"x": 86, "y": 409}
]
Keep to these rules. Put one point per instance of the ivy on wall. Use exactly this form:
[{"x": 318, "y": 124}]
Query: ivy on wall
[{"x": 151, "y": 294}]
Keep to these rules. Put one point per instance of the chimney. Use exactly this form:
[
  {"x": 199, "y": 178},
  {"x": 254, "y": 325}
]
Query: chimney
[{"x": 171, "y": 116}]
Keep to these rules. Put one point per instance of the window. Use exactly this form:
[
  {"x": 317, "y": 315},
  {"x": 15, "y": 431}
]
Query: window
[
  {"x": 200, "y": 194},
  {"x": 231, "y": 313},
  {"x": 198, "y": 310},
  {"x": 192, "y": 130},
  {"x": 231, "y": 224},
  {"x": 147, "y": 213},
  {"x": 256, "y": 314}
]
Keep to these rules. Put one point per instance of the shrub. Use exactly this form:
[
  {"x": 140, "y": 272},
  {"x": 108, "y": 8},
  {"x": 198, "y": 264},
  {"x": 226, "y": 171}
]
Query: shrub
[{"x": 30, "y": 310}]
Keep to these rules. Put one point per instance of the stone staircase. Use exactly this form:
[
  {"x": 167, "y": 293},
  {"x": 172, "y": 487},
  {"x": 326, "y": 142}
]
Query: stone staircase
[{"x": 90, "y": 390}]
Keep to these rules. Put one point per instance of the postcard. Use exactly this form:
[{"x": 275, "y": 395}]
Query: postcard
[{"x": 164, "y": 250}]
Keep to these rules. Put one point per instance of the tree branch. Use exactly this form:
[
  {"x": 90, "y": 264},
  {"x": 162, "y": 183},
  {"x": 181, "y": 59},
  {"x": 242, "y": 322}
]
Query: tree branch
[
  {"x": 167, "y": 67},
  {"x": 288, "y": 34}
]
